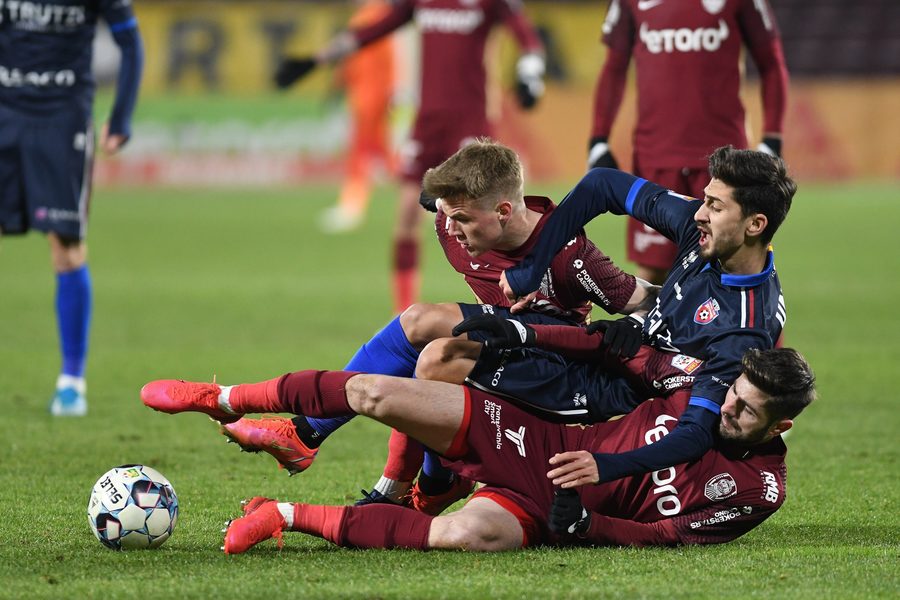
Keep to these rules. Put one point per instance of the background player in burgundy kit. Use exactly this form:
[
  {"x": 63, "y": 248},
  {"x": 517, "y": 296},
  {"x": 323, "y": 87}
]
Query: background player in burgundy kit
[
  {"x": 452, "y": 105},
  {"x": 732, "y": 488},
  {"x": 484, "y": 225},
  {"x": 687, "y": 56},
  {"x": 47, "y": 148}
]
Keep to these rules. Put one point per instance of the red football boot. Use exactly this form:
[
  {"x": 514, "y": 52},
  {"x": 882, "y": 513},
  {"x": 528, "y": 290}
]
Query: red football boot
[
  {"x": 275, "y": 435},
  {"x": 176, "y": 395},
  {"x": 435, "y": 505},
  {"x": 262, "y": 520}
]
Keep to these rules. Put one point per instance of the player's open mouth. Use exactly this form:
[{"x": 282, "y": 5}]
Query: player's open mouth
[{"x": 704, "y": 237}]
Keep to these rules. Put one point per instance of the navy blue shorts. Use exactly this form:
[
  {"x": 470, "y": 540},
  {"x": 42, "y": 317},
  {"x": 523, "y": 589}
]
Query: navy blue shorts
[
  {"x": 544, "y": 382},
  {"x": 45, "y": 172}
]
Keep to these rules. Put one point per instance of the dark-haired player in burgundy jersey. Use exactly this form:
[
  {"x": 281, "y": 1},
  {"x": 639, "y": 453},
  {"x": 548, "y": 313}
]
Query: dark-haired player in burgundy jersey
[
  {"x": 687, "y": 57},
  {"x": 47, "y": 148},
  {"x": 732, "y": 488},
  {"x": 452, "y": 108}
]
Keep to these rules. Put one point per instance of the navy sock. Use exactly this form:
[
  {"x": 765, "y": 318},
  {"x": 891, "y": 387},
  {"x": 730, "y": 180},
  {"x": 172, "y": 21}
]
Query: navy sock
[
  {"x": 73, "y": 315},
  {"x": 387, "y": 353},
  {"x": 434, "y": 472}
]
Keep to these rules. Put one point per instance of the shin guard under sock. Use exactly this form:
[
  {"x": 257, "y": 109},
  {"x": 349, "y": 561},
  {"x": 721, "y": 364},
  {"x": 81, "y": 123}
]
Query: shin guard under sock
[{"x": 370, "y": 526}]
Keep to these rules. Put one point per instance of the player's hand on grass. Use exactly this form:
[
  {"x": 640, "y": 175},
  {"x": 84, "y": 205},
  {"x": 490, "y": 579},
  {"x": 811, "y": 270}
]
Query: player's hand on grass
[
  {"x": 529, "y": 80},
  {"x": 292, "y": 69},
  {"x": 428, "y": 203},
  {"x": 771, "y": 145},
  {"x": 567, "y": 515},
  {"x": 599, "y": 154},
  {"x": 504, "y": 333},
  {"x": 572, "y": 469},
  {"x": 622, "y": 337}
]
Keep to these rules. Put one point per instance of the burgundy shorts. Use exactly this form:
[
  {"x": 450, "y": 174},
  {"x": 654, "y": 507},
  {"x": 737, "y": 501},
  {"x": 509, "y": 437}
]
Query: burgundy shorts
[
  {"x": 509, "y": 449},
  {"x": 435, "y": 138},
  {"x": 645, "y": 246}
]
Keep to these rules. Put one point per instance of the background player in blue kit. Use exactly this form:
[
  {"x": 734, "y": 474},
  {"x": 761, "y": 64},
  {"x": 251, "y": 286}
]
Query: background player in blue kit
[
  {"x": 721, "y": 298},
  {"x": 47, "y": 147}
]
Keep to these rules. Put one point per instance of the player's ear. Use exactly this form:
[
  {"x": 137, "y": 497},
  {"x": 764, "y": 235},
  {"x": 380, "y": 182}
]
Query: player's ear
[
  {"x": 780, "y": 427},
  {"x": 504, "y": 209},
  {"x": 756, "y": 224}
]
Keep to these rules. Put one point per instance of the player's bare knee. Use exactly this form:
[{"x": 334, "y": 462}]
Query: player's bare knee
[
  {"x": 457, "y": 531},
  {"x": 423, "y": 323},
  {"x": 66, "y": 254},
  {"x": 369, "y": 395},
  {"x": 436, "y": 361}
]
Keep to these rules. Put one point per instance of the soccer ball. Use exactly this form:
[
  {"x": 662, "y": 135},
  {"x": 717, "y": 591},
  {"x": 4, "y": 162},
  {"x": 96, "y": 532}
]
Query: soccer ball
[{"x": 132, "y": 506}]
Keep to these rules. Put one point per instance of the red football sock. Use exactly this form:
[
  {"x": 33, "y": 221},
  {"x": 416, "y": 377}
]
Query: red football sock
[
  {"x": 370, "y": 526},
  {"x": 256, "y": 397},
  {"x": 318, "y": 520},
  {"x": 404, "y": 457},
  {"x": 316, "y": 393},
  {"x": 309, "y": 393},
  {"x": 406, "y": 273}
]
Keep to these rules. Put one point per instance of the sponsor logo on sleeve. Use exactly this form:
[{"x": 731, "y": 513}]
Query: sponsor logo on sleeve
[
  {"x": 707, "y": 312},
  {"x": 722, "y": 516},
  {"x": 720, "y": 487},
  {"x": 686, "y": 363},
  {"x": 770, "y": 483}
]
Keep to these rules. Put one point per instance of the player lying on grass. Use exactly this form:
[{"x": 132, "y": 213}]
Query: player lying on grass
[
  {"x": 732, "y": 488},
  {"x": 721, "y": 298},
  {"x": 484, "y": 224}
]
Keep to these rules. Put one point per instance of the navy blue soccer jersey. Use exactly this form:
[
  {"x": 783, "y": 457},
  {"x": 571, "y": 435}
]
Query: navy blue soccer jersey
[
  {"x": 700, "y": 312},
  {"x": 46, "y": 49}
]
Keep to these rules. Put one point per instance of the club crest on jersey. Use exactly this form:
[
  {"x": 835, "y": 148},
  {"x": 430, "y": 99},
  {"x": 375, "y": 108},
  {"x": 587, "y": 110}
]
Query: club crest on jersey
[
  {"x": 720, "y": 487},
  {"x": 707, "y": 312},
  {"x": 713, "y": 6}
]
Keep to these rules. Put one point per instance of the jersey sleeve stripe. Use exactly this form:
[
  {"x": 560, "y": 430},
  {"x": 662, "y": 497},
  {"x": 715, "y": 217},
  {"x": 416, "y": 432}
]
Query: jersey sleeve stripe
[
  {"x": 129, "y": 24},
  {"x": 632, "y": 194},
  {"x": 705, "y": 403}
]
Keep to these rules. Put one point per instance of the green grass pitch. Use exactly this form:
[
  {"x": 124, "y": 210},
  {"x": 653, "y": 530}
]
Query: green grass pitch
[{"x": 240, "y": 284}]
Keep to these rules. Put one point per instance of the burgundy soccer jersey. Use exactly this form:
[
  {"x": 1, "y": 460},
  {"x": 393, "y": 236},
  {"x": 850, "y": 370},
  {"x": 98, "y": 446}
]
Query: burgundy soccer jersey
[
  {"x": 579, "y": 274},
  {"x": 454, "y": 33},
  {"x": 715, "y": 499},
  {"x": 687, "y": 57}
]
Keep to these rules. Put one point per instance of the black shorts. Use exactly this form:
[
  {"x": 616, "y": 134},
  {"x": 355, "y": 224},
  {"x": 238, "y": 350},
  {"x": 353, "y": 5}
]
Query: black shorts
[
  {"x": 45, "y": 172},
  {"x": 544, "y": 382}
]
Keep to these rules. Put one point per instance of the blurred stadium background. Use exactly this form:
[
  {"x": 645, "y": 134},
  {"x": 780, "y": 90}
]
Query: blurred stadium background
[{"x": 208, "y": 113}]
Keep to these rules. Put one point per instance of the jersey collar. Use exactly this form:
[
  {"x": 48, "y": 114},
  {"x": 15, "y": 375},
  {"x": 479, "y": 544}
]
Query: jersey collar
[{"x": 752, "y": 280}]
